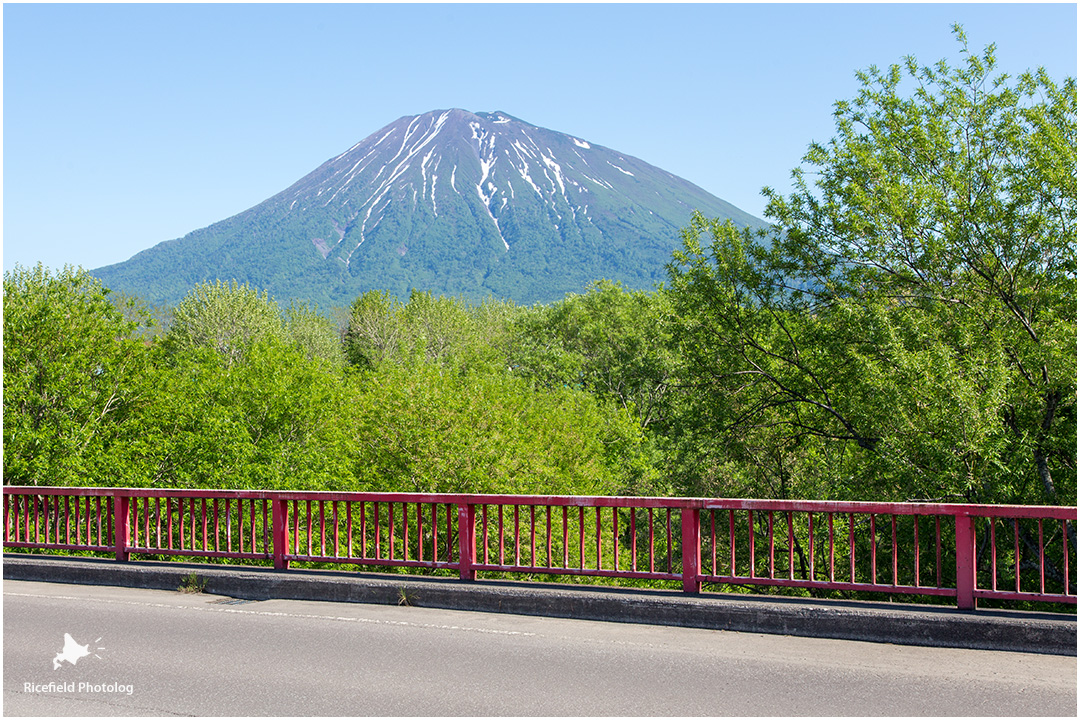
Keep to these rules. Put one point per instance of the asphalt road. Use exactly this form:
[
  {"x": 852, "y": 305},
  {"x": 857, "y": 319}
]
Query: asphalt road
[{"x": 157, "y": 653}]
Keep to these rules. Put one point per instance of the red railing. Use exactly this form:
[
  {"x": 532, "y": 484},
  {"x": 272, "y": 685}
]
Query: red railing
[{"x": 962, "y": 551}]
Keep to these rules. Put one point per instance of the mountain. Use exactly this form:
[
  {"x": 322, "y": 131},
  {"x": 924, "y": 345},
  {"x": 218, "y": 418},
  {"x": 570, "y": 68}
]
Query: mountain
[{"x": 454, "y": 202}]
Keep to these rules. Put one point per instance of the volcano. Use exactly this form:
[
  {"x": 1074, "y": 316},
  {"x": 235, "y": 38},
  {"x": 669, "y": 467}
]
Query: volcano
[{"x": 452, "y": 202}]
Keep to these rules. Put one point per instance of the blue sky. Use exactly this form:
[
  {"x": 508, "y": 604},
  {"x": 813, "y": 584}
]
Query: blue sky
[{"x": 127, "y": 125}]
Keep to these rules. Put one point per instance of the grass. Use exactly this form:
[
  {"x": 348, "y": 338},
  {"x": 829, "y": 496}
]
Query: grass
[{"x": 192, "y": 583}]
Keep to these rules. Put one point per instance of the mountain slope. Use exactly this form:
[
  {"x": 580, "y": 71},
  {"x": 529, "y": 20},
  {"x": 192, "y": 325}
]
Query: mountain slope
[{"x": 453, "y": 202}]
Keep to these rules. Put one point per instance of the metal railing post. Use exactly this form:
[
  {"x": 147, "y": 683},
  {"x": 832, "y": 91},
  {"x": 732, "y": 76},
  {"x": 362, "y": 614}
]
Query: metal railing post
[
  {"x": 280, "y": 540},
  {"x": 466, "y": 541},
  {"x": 121, "y": 527},
  {"x": 691, "y": 549},
  {"x": 965, "y": 563}
]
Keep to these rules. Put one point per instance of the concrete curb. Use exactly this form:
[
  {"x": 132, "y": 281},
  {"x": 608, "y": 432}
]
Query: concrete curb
[{"x": 1034, "y": 632}]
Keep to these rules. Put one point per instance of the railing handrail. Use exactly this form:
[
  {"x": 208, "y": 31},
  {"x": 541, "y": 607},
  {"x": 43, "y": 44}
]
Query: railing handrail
[
  {"x": 293, "y": 525},
  {"x": 1056, "y": 512}
]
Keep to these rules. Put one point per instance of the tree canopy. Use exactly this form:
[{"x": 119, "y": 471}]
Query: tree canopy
[
  {"x": 71, "y": 369},
  {"x": 911, "y": 315}
]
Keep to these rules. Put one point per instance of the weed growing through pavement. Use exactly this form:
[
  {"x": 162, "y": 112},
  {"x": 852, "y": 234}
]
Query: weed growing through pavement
[
  {"x": 406, "y": 597},
  {"x": 192, "y": 584}
]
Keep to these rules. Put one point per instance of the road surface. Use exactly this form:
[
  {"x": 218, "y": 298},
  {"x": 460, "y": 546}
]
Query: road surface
[{"x": 159, "y": 653}]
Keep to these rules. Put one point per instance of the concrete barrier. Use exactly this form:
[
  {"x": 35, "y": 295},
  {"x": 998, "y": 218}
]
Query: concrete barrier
[{"x": 903, "y": 624}]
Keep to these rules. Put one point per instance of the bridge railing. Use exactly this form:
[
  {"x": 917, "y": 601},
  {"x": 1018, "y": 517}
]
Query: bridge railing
[{"x": 952, "y": 550}]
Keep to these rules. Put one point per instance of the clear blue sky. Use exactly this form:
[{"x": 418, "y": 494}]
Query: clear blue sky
[{"x": 126, "y": 125}]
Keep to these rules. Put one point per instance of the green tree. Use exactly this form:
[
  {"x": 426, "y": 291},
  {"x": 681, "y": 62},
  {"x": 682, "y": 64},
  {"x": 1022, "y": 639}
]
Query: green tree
[
  {"x": 72, "y": 375},
  {"x": 611, "y": 341},
  {"x": 228, "y": 317},
  {"x": 423, "y": 427},
  {"x": 909, "y": 323},
  {"x": 373, "y": 331},
  {"x": 436, "y": 328},
  {"x": 492, "y": 340},
  {"x": 313, "y": 333},
  {"x": 274, "y": 419},
  {"x": 440, "y": 330}
]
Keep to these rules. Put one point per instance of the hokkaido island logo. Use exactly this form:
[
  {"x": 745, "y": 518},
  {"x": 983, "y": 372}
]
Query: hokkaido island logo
[{"x": 73, "y": 652}]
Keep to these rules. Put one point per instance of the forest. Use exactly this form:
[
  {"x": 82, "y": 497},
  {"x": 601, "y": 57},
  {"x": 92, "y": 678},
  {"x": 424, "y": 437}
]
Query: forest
[{"x": 904, "y": 329}]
